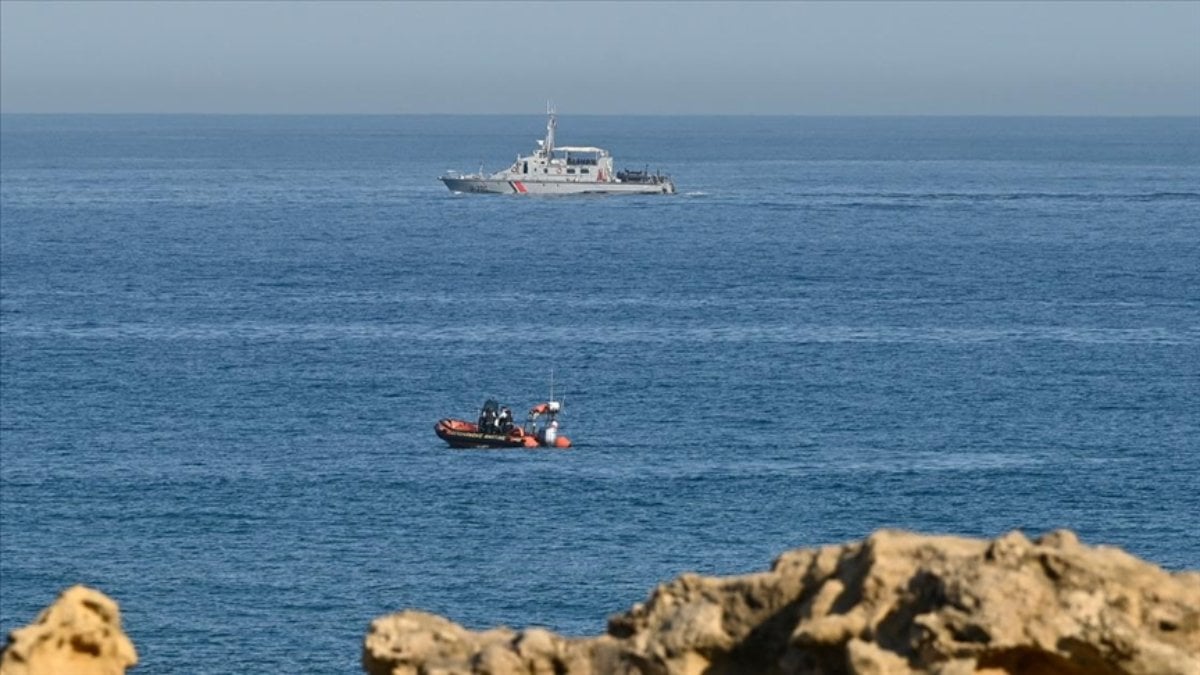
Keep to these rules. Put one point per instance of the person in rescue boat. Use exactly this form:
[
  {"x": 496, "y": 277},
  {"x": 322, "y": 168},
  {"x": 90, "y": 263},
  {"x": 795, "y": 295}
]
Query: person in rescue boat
[
  {"x": 535, "y": 414},
  {"x": 505, "y": 420}
]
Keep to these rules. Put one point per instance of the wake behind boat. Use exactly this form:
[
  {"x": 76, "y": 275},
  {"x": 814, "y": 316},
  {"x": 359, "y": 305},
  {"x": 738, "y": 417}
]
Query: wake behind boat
[{"x": 561, "y": 170}]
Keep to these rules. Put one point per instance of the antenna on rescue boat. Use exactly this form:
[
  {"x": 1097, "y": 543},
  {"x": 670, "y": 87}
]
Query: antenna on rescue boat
[{"x": 555, "y": 404}]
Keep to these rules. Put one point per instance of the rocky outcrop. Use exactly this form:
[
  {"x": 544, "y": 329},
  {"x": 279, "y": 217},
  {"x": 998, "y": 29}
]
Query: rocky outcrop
[
  {"x": 80, "y": 634},
  {"x": 894, "y": 603}
]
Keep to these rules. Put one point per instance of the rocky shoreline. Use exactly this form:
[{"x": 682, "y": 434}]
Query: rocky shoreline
[{"x": 897, "y": 602}]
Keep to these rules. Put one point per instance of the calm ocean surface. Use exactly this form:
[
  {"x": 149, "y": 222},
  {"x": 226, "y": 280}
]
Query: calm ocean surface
[{"x": 225, "y": 342}]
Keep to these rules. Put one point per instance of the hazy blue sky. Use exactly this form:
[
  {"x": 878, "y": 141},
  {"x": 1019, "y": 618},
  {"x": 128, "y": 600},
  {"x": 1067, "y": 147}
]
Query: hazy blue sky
[{"x": 1076, "y": 58}]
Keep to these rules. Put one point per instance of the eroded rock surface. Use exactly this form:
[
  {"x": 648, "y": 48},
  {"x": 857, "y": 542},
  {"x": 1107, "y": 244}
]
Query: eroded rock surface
[
  {"x": 79, "y": 634},
  {"x": 894, "y": 603}
]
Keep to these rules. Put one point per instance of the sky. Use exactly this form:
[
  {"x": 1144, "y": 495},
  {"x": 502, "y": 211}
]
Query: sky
[{"x": 667, "y": 58}]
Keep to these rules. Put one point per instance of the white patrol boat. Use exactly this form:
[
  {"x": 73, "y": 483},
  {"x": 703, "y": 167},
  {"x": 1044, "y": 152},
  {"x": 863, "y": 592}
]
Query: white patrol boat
[{"x": 561, "y": 170}]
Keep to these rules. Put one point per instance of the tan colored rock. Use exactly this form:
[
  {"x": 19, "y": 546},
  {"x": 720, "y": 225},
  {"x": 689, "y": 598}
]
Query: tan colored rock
[
  {"x": 79, "y": 634},
  {"x": 896, "y": 603}
]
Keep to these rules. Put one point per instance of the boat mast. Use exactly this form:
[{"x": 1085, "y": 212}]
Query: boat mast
[{"x": 551, "y": 123}]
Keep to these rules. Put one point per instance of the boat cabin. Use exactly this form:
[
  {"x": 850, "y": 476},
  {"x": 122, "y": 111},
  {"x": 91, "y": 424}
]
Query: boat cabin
[{"x": 566, "y": 163}]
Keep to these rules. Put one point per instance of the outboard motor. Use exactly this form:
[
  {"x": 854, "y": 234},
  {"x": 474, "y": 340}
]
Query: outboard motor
[{"x": 550, "y": 435}]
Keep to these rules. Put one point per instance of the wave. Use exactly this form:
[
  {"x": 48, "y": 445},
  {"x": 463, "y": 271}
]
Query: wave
[
  {"x": 609, "y": 334},
  {"x": 861, "y": 198}
]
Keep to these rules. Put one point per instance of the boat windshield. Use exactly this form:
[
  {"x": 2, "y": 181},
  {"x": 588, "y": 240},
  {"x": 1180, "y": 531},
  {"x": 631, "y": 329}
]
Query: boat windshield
[{"x": 578, "y": 156}]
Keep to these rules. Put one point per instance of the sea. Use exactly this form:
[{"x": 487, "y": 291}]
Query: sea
[{"x": 225, "y": 342}]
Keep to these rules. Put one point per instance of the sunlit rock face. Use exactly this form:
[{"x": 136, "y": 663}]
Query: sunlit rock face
[
  {"x": 79, "y": 634},
  {"x": 896, "y": 602}
]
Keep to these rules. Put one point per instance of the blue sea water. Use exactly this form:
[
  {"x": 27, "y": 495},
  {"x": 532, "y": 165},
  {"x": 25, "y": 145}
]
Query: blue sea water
[{"x": 225, "y": 341}]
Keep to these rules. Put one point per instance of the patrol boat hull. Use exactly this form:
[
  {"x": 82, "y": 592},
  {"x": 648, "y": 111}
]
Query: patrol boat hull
[{"x": 536, "y": 187}]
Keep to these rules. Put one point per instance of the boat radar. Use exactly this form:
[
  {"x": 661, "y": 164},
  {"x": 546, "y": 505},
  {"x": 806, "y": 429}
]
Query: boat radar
[{"x": 561, "y": 170}]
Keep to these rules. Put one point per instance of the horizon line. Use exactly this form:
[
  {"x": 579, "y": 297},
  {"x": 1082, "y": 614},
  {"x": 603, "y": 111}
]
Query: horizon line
[{"x": 522, "y": 114}]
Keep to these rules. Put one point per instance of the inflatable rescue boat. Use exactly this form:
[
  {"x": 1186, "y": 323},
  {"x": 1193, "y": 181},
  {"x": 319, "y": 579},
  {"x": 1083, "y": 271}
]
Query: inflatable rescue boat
[{"x": 496, "y": 430}]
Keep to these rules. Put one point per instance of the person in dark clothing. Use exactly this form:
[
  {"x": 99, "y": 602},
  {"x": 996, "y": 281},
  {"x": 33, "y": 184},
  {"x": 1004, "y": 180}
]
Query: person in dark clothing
[{"x": 487, "y": 417}]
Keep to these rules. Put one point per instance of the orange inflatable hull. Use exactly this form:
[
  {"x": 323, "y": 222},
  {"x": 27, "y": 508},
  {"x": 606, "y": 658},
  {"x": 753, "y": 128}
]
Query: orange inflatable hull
[{"x": 464, "y": 434}]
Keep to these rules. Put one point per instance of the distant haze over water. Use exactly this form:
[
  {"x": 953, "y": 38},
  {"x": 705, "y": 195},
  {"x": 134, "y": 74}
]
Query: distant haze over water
[{"x": 673, "y": 58}]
